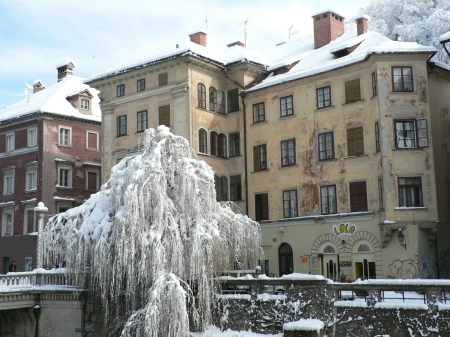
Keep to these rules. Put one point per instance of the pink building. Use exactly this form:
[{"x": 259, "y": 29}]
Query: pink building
[{"x": 50, "y": 151}]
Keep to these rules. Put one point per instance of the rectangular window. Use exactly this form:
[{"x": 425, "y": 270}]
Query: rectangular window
[
  {"x": 288, "y": 152},
  {"x": 328, "y": 197},
  {"x": 8, "y": 223},
  {"x": 260, "y": 157},
  {"x": 290, "y": 203},
  {"x": 352, "y": 91},
  {"x": 234, "y": 142},
  {"x": 411, "y": 133},
  {"x": 29, "y": 225},
  {"x": 162, "y": 79},
  {"x": 31, "y": 177},
  {"x": 92, "y": 140},
  {"x": 141, "y": 84},
  {"x": 358, "y": 196},
  {"x": 326, "y": 146},
  {"x": 164, "y": 115},
  {"x": 355, "y": 142},
  {"x": 233, "y": 100},
  {"x": 8, "y": 181},
  {"x": 402, "y": 79},
  {"x": 10, "y": 142},
  {"x": 32, "y": 137},
  {"x": 258, "y": 113},
  {"x": 286, "y": 106},
  {"x": 380, "y": 193},
  {"x": 121, "y": 90},
  {"x": 142, "y": 121},
  {"x": 410, "y": 192},
  {"x": 64, "y": 177},
  {"x": 377, "y": 137},
  {"x": 220, "y": 101},
  {"x": 374, "y": 84},
  {"x": 65, "y": 136},
  {"x": 323, "y": 97},
  {"x": 262, "y": 206},
  {"x": 84, "y": 104},
  {"x": 221, "y": 185},
  {"x": 235, "y": 188},
  {"x": 264, "y": 264},
  {"x": 121, "y": 125},
  {"x": 92, "y": 181}
]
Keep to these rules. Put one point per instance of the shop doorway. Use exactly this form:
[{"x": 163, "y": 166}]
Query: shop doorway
[
  {"x": 286, "y": 259},
  {"x": 329, "y": 262},
  {"x": 364, "y": 261}
]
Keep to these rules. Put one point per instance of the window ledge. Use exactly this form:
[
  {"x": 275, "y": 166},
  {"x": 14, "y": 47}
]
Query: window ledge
[
  {"x": 121, "y": 136},
  {"x": 64, "y": 187},
  {"x": 361, "y": 155},
  {"x": 287, "y": 117},
  {"x": 92, "y": 150},
  {"x": 262, "y": 122},
  {"x": 408, "y": 148},
  {"x": 212, "y": 111},
  {"x": 8, "y": 194},
  {"x": 265, "y": 170},
  {"x": 68, "y": 146},
  {"x": 327, "y": 159},
  {"x": 359, "y": 100},
  {"x": 404, "y": 208},
  {"x": 31, "y": 190},
  {"x": 238, "y": 156},
  {"x": 374, "y": 96},
  {"x": 211, "y": 156},
  {"x": 402, "y": 92},
  {"x": 288, "y": 166},
  {"x": 325, "y": 108}
]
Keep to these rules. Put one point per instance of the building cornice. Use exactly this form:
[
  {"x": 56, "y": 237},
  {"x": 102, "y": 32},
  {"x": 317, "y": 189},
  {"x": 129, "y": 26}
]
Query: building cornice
[{"x": 38, "y": 115}]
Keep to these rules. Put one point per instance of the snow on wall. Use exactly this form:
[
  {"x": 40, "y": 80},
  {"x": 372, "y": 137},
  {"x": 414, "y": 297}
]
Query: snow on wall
[{"x": 153, "y": 239}]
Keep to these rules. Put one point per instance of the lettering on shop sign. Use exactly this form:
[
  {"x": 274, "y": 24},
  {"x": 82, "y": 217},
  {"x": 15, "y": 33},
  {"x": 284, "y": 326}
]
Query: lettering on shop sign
[
  {"x": 344, "y": 228},
  {"x": 345, "y": 263}
]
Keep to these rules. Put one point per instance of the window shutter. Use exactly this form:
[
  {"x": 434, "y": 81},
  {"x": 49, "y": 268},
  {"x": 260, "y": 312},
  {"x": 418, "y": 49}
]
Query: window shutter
[
  {"x": 352, "y": 91},
  {"x": 229, "y": 100},
  {"x": 265, "y": 206},
  {"x": 358, "y": 196},
  {"x": 256, "y": 158},
  {"x": 395, "y": 133},
  {"x": 359, "y": 141},
  {"x": 422, "y": 133},
  {"x": 350, "y": 142},
  {"x": 164, "y": 115},
  {"x": 30, "y": 221}
]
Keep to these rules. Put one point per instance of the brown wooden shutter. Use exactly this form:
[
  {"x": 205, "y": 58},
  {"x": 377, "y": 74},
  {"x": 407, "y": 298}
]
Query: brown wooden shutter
[
  {"x": 92, "y": 181},
  {"x": 30, "y": 221},
  {"x": 352, "y": 91},
  {"x": 422, "y": 133},
  {"x": 351, "y": 142},
  {"x": 164, "y": 115},
  {"x": 395, "y": 133},
  {"x": 162, "y": 79},
  {"x": 256, "y": 158},
  {"x": 359, "y": 141},
  {"x": 265, "y": 206},
  {"x": 358, "y": 196}
]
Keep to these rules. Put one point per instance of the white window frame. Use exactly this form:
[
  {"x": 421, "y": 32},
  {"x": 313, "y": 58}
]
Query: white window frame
[
  {"x": 67, "y": 167},
  {"x": 30, "y": 170},
  {"x": 60, "y": 140},
  {"x": 8, "y": 174},
  {"x": 32, "y": 137},
  {"x": 5, "y": 230},
  {"x": 10, "y": 142},
  {"x": 65, "y": 204},
  {"x": 97, "y": 172},
  {"x": 84, "y": 104},
  {"x": 28, "y": 207},
  {"x": 87, "y": 140}
]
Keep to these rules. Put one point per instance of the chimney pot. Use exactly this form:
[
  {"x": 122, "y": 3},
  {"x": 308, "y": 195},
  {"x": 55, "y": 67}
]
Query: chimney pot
[
  {"x": 362, "y": 24},
  {"x": 328, "y": 26},
  {"x": 65, "y": 69},
  {"x": 198, "y": 37}
]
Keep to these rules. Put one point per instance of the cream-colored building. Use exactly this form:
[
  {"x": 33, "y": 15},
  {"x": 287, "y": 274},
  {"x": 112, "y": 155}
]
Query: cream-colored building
[
  {"x": 342, "y": 158},
  {"x": 194, "y": 90}
]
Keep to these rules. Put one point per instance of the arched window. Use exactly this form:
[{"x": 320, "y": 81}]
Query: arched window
[
  {"x": 202, "y": 141},
  {"x": 212, "y": 99},
  {"x": 222, "y": 145},
  {"x": 285, "y": 259},
  {"x": 364, "y": 248},
  {"x": 201, "y": 95},
  {"x": 329, "y": 250},
  {"x": 214, "y": 144}
]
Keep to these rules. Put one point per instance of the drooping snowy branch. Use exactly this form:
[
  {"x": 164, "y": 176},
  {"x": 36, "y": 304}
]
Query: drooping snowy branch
[{"x": 157, "y": 228}]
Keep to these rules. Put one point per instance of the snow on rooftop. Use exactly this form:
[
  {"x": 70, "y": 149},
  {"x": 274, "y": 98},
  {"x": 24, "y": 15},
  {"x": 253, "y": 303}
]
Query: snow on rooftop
[
  {"x": 362, "y": 16},
  {"x": 444, "y": 37},
  {"x": 53, "y": 100},
  {"x": 65, "y": 63},
  {"x": 326, "y": 11},
  {"x": 224, "y": 56},
  {"x": 315, "y": 61}
]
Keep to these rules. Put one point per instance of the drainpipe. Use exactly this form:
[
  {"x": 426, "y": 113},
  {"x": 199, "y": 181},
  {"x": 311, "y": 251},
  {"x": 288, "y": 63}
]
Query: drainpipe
[{"x": 245, "y": 151}]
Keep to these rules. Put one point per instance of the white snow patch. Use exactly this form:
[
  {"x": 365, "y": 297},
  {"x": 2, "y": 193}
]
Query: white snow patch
[
  {"x": 268, "y": 297},
  {"x": 351, "y": 304},
  {"x": 396, "y": 305},
  {"x": 304, "y": 325}
]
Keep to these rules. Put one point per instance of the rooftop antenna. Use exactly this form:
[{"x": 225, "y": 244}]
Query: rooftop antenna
[
  {"x": 93, "y": 64},
  {"x": 245, "y": 22},
  {"x": 206, "y": 22},
  {"x": 292, "y": 32},
  {"x": 28, "y": 92}
]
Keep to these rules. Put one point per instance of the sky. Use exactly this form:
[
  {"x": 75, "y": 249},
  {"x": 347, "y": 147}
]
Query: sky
[{"x": 36, "y": 36}]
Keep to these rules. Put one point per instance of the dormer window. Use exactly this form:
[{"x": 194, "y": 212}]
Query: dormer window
[{"x": 84, "y": 104}]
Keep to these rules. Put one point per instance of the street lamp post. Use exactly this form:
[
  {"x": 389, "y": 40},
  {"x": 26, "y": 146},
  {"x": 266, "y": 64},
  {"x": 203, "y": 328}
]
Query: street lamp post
[{"x": 40, "y": 210}]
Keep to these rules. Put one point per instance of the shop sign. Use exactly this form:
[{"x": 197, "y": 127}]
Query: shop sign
[
  {"x": 345, "y": 263},
  {"x": 344, "y": 228}
]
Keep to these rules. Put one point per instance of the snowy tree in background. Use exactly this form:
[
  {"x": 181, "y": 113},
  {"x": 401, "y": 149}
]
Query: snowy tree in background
[
  {"x": 421, "y": 21},
  {"x": 154, "y": 241}
]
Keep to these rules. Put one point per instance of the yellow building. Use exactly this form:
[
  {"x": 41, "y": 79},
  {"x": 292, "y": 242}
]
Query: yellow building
[
  {"x": 341, "y": 163},
  {"x": 193, "y": 89}
]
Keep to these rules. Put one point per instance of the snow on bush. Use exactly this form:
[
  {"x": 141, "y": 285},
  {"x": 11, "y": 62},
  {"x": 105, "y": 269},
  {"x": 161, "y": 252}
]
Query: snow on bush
[{"x": 153, "y": 240}]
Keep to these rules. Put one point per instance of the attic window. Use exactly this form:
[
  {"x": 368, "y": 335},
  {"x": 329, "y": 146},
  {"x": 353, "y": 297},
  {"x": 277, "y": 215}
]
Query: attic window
[
  {"x": 84, "y": 104},
  {"x": 341, "y": 53}
]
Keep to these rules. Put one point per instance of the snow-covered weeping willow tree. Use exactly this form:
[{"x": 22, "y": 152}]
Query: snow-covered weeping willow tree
[{"x": 154, "y": 240}]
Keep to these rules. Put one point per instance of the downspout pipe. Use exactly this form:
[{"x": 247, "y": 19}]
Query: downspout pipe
[{"x": 242, "y": 94}]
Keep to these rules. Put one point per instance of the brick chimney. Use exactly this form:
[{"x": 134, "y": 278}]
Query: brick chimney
[
  {"x": 198, "y": 37},
  {"x": 236, "y": 43},
  {"x": 328, "y": 26},
  {"x": 65, "y": 69},
  {"x": 362, "y": 23},
  {"x": 38, "y": 86}
]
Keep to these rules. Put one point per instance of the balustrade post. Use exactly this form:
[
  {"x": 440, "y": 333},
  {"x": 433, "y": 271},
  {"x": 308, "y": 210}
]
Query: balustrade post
[{"x": 40, "y": 210}]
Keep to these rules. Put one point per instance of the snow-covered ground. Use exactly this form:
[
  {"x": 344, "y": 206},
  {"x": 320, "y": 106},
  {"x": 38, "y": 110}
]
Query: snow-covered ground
[{"x": 213, "y": 331}]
